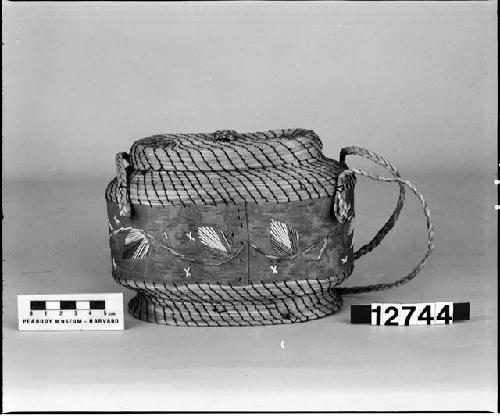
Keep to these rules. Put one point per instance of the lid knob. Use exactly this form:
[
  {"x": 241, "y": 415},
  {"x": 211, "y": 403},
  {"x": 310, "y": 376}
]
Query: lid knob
[{"x": 225, "y": 135}]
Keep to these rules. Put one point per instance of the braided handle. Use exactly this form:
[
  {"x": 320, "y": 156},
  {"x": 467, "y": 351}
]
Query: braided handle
[
  {"x": 122, "y": 182},
  {"x": 344, "y": 178},
  {"x": 392, "y": 219}
]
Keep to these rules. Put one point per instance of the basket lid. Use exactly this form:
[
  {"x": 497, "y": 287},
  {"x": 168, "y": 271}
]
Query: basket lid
[
  {"x": 225, "y": 150},
  {"x": 228, "y": 167}
]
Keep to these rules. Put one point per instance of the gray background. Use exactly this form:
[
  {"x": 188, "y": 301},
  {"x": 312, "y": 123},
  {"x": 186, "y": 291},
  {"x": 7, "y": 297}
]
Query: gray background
[{"x": 415, "y": 82}]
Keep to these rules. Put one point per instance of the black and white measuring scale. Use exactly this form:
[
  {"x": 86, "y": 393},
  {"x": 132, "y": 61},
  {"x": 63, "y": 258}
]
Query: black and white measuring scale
[{"x": 84, "y": 312}]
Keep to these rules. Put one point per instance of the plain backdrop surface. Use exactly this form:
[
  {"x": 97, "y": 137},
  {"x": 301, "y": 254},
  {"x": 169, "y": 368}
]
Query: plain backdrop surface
[
  {"x": 415, "y": 82},
  {"x": 82, "y": 81}
]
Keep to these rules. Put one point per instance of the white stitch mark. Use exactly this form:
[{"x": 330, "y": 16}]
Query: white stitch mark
[
  {"x": 322, "y": 249},
  {"x": 274, "y": 268},
  {"x": 215, "y": 241},
  {"x": 284, "y": 239},
  {"x": 344, "y": 260},
  {"x": 116, "y": 220},
  {"x": 136, "y": 245},
  {"x": 191, "y": 238},
  {"x": 114, "y": 264},
  {"x": 187, "y": 272},
  {"x": 351, "y": 225}
]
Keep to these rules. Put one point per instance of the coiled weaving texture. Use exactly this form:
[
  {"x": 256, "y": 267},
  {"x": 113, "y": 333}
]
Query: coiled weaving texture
[
  {"x": 203, "y": 169},
  {"x": 227, "y": 305},
  {"x": 227, "y": 167},
  {"x": 164, "y": 188},
  {"x": 225, "y": 150}
]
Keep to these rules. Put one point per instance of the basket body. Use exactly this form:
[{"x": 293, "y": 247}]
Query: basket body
[
  {"x": 242, "y": 240},
  {"x": 246, "y": 225}
]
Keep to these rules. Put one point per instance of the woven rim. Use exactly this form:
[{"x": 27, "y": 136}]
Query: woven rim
[
  {"x": 316, "y": 180},
  {"x": 225, "y": 150}
]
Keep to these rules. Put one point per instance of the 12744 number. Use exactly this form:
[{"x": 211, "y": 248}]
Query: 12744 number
[{"x": 408, "y": 314}]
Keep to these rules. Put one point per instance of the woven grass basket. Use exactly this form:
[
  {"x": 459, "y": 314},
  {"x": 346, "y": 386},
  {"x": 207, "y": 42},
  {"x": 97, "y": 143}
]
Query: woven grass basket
[{"x": 231, "y": 229}]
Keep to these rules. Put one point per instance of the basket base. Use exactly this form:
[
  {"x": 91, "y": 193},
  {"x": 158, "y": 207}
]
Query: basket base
[{"x": 147, "y": 307}]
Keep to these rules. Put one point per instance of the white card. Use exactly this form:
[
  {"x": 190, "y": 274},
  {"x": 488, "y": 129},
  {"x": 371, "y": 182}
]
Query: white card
[
  {"x": 409, "y": 315},
  {"x": 391, "y": 314},
  {"x": 425, "y": 313},
  {"x": 71, "y": 312},
  {"x": 376, "y": 313},
  {"x": 444, "y": 313}
]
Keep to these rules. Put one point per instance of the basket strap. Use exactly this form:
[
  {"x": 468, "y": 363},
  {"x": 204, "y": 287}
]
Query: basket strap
[
  {"x": 122, "y": 182},
  {"x": 392, "y": 219},
  {"x": 342, "y": 209}
]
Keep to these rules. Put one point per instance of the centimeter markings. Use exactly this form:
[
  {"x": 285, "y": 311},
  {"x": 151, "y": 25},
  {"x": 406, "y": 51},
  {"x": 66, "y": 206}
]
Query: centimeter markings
[
  {"x": 103, "y": 311},
  {"x": 42, "y": 305}
]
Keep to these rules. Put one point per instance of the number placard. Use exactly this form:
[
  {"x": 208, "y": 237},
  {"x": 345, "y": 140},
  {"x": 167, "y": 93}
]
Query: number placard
[
  {"x": 376, "y": 313},
  {"x": 426, "y": 313},
  {"x": 387, "y": 314},
  {"x": 444, "y": 313},
  {"x": 410, "y": 314}
]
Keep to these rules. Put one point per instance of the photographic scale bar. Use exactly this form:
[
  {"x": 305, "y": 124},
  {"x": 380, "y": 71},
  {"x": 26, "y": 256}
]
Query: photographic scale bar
[
  {"x": 71, "y": 312},
  {"x": 81, "y": 305}
]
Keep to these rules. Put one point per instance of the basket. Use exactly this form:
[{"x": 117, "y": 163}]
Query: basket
[{"x": 231, "y": 229}]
